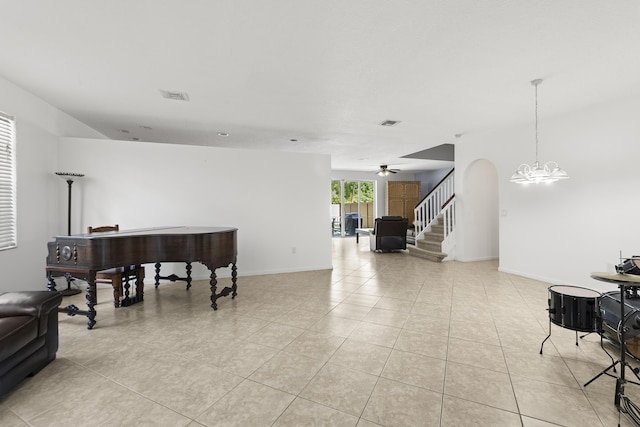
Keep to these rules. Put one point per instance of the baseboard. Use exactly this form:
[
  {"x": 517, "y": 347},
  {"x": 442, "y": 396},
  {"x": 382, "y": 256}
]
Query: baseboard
[
  {"x": 535, "y": 277},
  {"x": 491, "y": 258}
]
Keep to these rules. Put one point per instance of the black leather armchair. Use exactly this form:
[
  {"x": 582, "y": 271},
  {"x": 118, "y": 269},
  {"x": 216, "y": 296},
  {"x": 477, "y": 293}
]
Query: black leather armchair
[
  {"x": 389, "y": 234},
  {"x": 28, "y": 334}
]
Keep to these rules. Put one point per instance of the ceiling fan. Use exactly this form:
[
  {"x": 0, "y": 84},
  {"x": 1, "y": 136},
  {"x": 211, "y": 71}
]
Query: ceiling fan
[{"x": 384, "y": 170}]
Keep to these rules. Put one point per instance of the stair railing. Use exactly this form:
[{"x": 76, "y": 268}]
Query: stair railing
[
  {"x": 449, "y": 216},
  {"x": 439, "y": 201}
]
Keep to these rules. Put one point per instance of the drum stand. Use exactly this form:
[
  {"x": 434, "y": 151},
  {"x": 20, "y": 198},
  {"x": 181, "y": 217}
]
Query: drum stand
[
  {"x": 622, "y": 402},
  {"x": 599, "y": 331}
]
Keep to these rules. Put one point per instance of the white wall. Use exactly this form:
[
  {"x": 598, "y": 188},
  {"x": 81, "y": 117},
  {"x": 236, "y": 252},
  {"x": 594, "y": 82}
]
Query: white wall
[
  {"x": 213, "y": 187},
  {"x": 429, "y": 179},
  {"x": 278, "y": 201},
  {"x": 479, "y": 241},
  {"x": 38, "y": 126},
  {"x": 562, "y": 232}
]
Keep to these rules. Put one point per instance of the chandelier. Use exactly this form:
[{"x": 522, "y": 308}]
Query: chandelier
[{"x": 537, "y": 173}]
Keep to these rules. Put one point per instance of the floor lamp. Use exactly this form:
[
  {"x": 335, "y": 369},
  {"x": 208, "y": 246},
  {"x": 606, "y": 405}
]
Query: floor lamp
[{"x": 69, "y": 177}]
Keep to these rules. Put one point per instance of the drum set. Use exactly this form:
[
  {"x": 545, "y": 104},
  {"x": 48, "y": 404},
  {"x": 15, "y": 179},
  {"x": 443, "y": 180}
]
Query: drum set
[{"x": 614, "y": 315}]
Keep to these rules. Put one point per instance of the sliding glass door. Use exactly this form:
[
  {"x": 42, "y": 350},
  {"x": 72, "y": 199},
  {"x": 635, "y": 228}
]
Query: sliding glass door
[{"x": 352, "y": 206}]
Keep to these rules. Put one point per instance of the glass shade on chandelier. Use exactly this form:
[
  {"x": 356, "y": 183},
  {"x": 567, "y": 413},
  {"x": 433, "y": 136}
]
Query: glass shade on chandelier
[
  {"x": 537, "y": 173},
  {"x": 549, "y": 172}
]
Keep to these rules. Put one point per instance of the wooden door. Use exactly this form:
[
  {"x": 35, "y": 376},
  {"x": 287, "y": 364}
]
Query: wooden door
[{"x": 402, "y": 198}]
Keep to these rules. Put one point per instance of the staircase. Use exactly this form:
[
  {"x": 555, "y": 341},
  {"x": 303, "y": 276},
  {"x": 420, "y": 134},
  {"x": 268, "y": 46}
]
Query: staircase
[
  {"x": 435, "y": 223},
  {"x": 430, "y": 245}
]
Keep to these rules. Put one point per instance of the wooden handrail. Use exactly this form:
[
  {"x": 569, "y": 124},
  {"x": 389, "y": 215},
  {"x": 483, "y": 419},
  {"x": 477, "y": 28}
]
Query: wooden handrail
[{"x": 448, "y": 200}]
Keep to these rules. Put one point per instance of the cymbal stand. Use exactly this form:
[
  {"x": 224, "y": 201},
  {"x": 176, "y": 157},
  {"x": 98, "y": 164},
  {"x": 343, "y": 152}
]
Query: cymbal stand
[{"x": 601, "y": 333}]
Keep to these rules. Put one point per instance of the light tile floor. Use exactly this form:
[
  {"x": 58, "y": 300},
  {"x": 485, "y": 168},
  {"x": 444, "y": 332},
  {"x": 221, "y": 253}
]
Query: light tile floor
[{"x": 383, "y": 339}]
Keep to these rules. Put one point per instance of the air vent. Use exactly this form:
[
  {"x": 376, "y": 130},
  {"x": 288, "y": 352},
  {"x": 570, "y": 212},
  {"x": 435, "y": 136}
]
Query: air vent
[
  {"x": 176, "y": 96},
  {"x": 389, "y": 123}
]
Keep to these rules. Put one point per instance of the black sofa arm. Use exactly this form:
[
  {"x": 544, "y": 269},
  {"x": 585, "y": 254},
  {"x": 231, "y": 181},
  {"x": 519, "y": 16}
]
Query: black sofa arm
[{"x": 38, "y": 304}]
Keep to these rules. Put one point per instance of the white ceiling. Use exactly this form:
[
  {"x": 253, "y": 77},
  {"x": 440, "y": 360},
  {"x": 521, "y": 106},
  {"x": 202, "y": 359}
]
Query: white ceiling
[{"x": 323, "y": 72}]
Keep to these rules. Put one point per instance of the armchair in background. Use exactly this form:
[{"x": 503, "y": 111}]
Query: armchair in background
[
  {"x": 389, "y": 234},
  {"x": 28, "y": 334}
]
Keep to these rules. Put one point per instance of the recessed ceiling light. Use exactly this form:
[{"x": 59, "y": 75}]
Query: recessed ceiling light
[
  {"x": 223, "y": 134},
  {"x": 390, "y": 122},
  {"x": 175, "y": 96}
]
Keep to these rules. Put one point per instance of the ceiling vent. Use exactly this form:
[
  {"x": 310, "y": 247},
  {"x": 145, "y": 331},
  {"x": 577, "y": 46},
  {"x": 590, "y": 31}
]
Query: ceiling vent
[
  {"x": 176, "y": 96},
  {"x": 389, "y": 123}
]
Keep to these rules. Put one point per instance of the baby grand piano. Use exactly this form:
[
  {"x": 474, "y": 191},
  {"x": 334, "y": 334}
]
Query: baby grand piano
[{"x": 82, "y": 255}]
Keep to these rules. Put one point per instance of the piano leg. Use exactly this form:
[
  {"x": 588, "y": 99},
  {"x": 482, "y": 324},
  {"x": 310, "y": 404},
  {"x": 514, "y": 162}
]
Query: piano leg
[
  {"x": 91, "y": 300},
  {"x": 234, "y": 275},
  {"x": 157, "y": 274},
  {"x": 188, "y": 278},
  {"x": 213, "y": 283},
  {"x": 174, "y": 277},
  {"x": 226, "y": 290}
]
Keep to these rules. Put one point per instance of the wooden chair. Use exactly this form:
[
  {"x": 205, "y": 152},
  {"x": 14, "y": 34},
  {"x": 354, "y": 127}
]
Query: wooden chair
[
  {"x": 121, "y": 277},
  {"x": 103, "y": 228}
]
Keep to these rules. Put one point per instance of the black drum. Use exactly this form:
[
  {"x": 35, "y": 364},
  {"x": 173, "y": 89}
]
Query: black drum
[
  {"x": 610, "y": 313},
  {"x": 632, "y": 345},
  {"x": 573, "y": 307},
  {"x": 629, "y": 266}
]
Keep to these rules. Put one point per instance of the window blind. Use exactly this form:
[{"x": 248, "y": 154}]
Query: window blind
[{"x": 8, "y": 237}]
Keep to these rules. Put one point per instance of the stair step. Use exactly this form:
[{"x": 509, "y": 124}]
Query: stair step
[
  {"x": 425, "y": 254},
  {"x": 429, "y": 246},
  {"x": 430, "y": 236}
]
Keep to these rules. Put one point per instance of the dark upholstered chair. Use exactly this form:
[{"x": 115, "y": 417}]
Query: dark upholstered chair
[
  {"x": 389, "y": 234},
  {"x": 28, "y": 334},
  {"x": 119, "y": 277}
]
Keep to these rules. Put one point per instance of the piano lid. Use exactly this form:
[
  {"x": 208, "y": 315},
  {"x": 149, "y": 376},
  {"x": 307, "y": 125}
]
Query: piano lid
[{"x": 152, "y": 231}]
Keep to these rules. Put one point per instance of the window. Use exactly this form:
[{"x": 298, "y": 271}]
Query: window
[{"x": 8, "y": 238}]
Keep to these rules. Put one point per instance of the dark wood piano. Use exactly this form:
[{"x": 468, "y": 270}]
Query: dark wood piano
[{"x": 82, "y": 255}]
